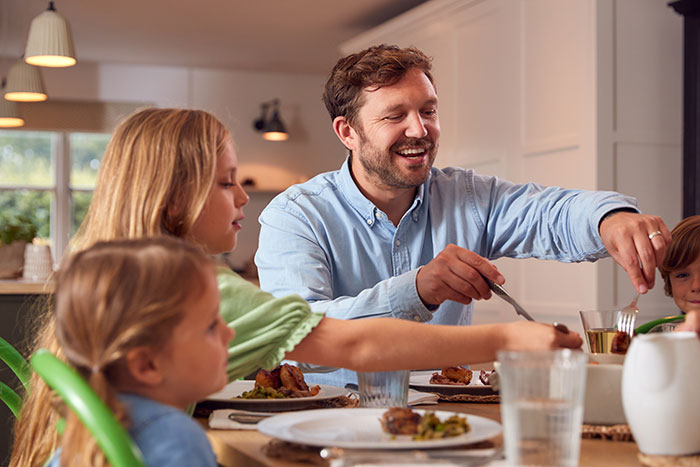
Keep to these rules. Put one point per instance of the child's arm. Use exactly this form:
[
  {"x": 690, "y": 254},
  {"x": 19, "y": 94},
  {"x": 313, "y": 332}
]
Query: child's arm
[{"x": 390, "y": 344}]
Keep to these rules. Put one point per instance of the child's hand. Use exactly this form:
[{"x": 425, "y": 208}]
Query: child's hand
[
  {"x": 691, "y": 323},
  {"x": 528, "y": 335}
]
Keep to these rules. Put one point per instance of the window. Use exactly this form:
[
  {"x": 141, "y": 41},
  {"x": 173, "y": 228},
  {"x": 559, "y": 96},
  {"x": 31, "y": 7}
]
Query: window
[{"x": 48, "y": 177}]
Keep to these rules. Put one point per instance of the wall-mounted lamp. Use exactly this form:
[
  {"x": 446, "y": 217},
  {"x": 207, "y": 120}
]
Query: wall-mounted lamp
[
  {"x": 25, "y": 83},
  {"x": 272, "y": 129},
  {"x": 9, "y": 113},
  {"x": 50, "y": 41}
]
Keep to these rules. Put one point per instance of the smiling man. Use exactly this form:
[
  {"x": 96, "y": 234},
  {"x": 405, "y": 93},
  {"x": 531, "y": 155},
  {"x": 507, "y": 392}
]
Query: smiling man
[{"x": 390, "y": 235}]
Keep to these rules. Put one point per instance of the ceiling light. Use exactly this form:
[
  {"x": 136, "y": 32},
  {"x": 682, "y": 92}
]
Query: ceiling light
[
  {"x": 273, "y": 129},
  {"x": 9, "y": 113},
  {"x": 24, "y": 83},
  {"x": 50, "y": 41}
]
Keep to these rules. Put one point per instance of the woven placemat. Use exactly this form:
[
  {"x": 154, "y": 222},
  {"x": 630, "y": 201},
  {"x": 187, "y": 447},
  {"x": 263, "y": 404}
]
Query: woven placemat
[
  {"x": 608, "y": 432},
  {"x": 668, "y": 461},
  {"x": 350, "y": 401},
  {"x": 292, "y": 452},
  {"x": 468, "y": 397}
]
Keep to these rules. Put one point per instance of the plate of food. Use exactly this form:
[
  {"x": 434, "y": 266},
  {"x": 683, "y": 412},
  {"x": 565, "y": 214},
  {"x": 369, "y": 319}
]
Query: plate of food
[
  {"x": 453, "y": 380},
  {"x": 280, "y": 389},
  {"x": 379, "y": 428}
]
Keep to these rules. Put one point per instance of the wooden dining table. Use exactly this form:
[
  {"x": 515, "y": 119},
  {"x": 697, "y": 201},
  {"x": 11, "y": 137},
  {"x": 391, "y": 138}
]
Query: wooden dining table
[{"x": 236, "y": 448}]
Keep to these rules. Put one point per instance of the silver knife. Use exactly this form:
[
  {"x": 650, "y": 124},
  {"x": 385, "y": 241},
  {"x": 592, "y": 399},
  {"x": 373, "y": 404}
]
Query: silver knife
[{"x": 429, "y": 456}]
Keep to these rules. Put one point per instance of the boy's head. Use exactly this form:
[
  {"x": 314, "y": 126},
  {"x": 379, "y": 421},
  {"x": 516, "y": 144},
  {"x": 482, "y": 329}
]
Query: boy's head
[{"x": 683, "y": 250}]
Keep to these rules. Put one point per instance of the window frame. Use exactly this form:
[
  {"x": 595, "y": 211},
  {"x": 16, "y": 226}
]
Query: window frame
[{"x": 62, "y": 201}]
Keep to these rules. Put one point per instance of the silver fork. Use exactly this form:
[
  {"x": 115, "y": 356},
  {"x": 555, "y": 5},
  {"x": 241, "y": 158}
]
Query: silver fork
[
  {"x": 501, "y": 292},
  {"x": 628, "y": 317}
]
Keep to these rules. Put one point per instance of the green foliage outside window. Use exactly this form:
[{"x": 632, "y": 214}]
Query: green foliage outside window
[{"x": 26, "y": 163}]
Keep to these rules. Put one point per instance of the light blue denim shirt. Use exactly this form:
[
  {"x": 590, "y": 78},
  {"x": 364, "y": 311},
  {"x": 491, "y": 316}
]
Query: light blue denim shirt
[
  {"x": 325, "y": 241},
  {"x": 165, "y": 435}
]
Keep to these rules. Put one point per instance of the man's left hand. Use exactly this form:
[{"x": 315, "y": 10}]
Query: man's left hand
[{"x": 638, "y": 243}]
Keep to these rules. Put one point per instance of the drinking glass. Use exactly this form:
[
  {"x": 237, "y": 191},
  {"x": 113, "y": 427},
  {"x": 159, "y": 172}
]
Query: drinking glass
[
  {"x": 600, "y": 327},
  {"x": 383, "y": 388},
  {"x": 542, "y": 406}
]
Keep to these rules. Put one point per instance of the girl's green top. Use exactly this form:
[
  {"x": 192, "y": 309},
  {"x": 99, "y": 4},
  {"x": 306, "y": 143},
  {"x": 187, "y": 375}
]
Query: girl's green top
[{"x": 266, "y": 327}]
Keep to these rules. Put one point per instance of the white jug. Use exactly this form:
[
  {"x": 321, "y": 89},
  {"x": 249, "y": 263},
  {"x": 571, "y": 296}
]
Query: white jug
[{"x": 660, "y": 392}]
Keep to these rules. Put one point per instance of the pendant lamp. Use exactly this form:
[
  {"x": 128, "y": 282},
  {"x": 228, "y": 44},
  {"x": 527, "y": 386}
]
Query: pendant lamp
[
  {"x": 50, "y": 41},
  {"x": 9, "y": 113},
  {"x": 25, "y": 83}
]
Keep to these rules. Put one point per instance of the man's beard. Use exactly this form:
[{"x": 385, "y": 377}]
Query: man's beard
[{"x": 380, "y": 164}]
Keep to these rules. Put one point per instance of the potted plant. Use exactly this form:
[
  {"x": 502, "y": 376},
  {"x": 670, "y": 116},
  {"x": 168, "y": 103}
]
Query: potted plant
[{"x": 15, "y": 233}]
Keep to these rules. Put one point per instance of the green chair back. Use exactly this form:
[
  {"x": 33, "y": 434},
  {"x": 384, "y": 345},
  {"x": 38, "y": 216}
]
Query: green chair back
[
  {"x": 113, "y": 439},
  {"x": 11, "y": 398},
  {"x": 20, "y": 367}
]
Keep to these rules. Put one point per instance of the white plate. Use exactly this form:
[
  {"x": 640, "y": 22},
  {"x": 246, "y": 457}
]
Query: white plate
[
  {"x": 361, "y": 429},
  {"x": 421, "y": 381},
  {"x": 227, "y": 398}
]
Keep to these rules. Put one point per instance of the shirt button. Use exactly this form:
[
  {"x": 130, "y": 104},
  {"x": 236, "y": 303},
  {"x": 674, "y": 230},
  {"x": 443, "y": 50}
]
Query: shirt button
[
  {"x": 398, "y": 242},
  {"x": 415, "y": 216},
  {"x": 369, "y": 221},
  {"x": 416, "y": 318},
  {"x": 379, "y": 215}
]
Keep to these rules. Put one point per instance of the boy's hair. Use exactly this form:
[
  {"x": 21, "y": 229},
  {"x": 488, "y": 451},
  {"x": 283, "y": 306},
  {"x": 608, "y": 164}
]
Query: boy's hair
[
  {"x": 683, "y": 250},
  {"x": 155, "y": 176},
  {"x": 111, "y": 298},
  {"x": 374, "y": 67}
]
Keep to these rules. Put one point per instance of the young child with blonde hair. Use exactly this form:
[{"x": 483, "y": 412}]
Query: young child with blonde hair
[
  {"x": 681, "y": 271},
  {"x": 139, "y": 320}
]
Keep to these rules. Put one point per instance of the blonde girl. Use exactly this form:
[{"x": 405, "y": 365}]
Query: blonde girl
[
  {"x": 139, "y": 320},
  {"x": 173, "y": 172}
]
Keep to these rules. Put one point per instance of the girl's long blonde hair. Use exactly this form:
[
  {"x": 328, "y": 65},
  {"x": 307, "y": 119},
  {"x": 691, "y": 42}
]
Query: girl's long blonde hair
[
  {"x": 111, "y": 298},
  {"x": 154, "y": 179}
]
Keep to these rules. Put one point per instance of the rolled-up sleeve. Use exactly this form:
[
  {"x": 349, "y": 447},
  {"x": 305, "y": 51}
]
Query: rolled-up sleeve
[{"x": 266, "y": 327}]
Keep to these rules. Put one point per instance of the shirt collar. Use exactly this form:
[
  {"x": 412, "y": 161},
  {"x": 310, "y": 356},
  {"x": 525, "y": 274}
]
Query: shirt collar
[{"x": 365, "y": 207}]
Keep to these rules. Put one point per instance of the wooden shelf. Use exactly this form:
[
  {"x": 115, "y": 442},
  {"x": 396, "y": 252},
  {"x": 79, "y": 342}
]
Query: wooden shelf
[{"x": 22, "y": 287}]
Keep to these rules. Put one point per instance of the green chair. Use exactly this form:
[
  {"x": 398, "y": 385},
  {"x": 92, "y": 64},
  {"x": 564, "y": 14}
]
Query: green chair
[
  {"x": 20, "y": 367},
  {"x": 113, "y": 439}
]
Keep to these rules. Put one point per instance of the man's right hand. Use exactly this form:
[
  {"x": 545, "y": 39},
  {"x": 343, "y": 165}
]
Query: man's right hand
[{"x": 456, "y": 274}]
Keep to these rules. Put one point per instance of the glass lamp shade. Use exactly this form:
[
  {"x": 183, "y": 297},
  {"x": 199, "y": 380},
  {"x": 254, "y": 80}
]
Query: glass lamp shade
[
  {"x": 9, "y": 114},
  {"x": 25, "y": 83},
  {"x": 50, "y": 41}
]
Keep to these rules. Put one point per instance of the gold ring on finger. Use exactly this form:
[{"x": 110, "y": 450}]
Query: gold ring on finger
[{"x": 654, "y": 234}]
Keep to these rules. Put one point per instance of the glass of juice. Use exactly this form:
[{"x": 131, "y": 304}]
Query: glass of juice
[{"x": 601, "y": 331}]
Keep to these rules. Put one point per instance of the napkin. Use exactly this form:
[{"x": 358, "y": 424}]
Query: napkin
[
  {"x": 421, "y": 398},
  {"x": 219, "y": 420}
]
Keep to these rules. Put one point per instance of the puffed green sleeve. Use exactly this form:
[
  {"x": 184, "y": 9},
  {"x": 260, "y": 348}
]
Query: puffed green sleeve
[{"x": 266, "y": 327}]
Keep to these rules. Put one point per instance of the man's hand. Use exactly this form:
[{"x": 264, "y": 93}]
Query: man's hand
[
  {"x": 638, "y": 243},
  {"x": 456, "y": 274}
]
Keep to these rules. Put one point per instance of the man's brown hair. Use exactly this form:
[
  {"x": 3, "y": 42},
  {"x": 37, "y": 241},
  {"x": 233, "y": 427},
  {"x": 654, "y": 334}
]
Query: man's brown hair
[
  {"x": 683, "y": 250},
  {"x": 375, "y": 67}
]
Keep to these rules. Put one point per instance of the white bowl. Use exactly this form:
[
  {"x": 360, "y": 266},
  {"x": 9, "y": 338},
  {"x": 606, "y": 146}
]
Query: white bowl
[{"x": 602, "y": 404}]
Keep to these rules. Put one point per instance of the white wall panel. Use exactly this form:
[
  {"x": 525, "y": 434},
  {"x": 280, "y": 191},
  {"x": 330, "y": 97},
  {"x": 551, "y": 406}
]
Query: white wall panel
[
  {"x": 648, "y": 80},
  {"x": 486, "y": 94},
  {"x": 555, "y": 42}
]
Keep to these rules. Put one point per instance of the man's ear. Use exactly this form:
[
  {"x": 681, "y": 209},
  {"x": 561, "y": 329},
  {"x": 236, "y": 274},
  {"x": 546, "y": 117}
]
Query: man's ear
[
  {"x": 346, "y": 133},
  {"x": 142, "y": 365}
]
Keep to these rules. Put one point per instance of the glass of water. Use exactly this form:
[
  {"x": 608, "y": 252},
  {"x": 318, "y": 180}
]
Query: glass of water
[
  {"x": 542, "y": 406},
  {"x": 383, "y": 388}
]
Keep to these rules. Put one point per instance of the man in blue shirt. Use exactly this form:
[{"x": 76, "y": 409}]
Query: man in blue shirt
[{"x": 390, "y": 235}]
